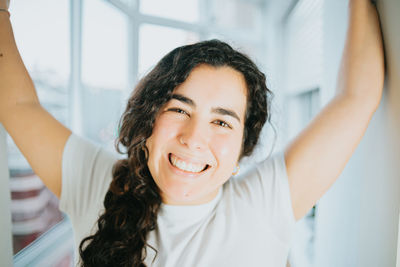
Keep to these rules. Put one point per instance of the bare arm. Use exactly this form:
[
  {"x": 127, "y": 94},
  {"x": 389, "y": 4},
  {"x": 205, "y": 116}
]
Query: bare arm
[
  {"x": 39, "y": 136},
  {"x": 319, "y": 154}
]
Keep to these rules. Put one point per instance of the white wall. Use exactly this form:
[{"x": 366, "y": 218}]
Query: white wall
[{"x": 357, "y": 220}]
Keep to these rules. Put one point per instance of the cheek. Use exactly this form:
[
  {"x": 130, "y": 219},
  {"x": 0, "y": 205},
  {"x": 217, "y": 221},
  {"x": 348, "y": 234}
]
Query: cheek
[
  {"x": 227, "y": 148},
  {"x": 162, "y": 131}
]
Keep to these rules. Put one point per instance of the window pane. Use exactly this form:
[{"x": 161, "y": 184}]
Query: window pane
[
  {"x": 101, "y": 110},
  {"x": 104, "y": 46},
  {"x": 300, "y": 110},
  {"x": 128, "y": 3},
  {"x": 43, "y": 41},
  {"x": 256, "y": 52},
  {"x": 184, "y": 10},
  {"x": 237, "y": 15},
  {"x": 157, "y": 41},
  {"x": 304, "y": 46},
  {"x": 104, "y": 69},
  {"x": 44, "y": 44}
]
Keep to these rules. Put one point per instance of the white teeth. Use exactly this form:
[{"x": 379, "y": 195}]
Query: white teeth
[{"x": 185, "y": 166}]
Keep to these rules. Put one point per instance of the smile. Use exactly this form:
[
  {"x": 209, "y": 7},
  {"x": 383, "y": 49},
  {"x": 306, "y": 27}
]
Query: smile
[{"x": 186, "y": 166}]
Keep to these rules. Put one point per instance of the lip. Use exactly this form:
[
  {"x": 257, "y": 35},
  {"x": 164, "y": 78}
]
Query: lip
[
  {"x": 188, "y": 159},
  {"x": 185, "y": 173}
]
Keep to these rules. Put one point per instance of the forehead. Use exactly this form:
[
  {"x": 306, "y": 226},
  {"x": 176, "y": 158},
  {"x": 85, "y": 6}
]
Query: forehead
[{"x": 216, "y": 86}]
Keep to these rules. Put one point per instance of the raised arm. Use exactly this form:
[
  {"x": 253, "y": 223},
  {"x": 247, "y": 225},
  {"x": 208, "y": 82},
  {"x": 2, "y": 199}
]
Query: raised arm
[
  {"x": 319, "y": 154},
  {"x": 39, "y": 136}
]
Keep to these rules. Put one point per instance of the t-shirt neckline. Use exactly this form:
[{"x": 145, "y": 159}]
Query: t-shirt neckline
[{"x": 180, "y": 213}]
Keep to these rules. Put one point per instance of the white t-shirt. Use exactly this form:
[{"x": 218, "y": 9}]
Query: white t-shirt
[{"x": 249, "y": 223}]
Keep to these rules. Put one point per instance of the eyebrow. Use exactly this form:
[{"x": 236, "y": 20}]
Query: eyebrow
[{"x": 218, "y": 110}]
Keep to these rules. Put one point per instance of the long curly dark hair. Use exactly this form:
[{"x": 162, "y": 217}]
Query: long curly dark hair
[{"x": 133, "y": 198}]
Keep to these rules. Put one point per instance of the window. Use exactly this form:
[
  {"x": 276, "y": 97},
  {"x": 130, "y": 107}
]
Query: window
[
  {"x": 300, "y": 109},
  {"x": 104, "y": 46},
  {"x": 34, "y": 208},
  {"x": 172, "y": 9},
  {"x": 239, "y": 15},
  {"x": 303, "y": 77},
  {"x": 105, "y": 67},
  {"x": 156, "y": 41}
]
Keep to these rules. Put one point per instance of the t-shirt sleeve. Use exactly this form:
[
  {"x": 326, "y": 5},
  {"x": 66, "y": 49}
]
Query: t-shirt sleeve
[
  {"x": 86, "y": 175},
  {"x": 267, "y": 188}
]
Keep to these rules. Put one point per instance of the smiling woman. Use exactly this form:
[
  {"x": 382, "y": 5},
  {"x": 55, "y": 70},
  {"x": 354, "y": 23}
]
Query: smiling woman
[
  {"x": 184, "y": 138},
  {"x": 170, "y": 201}
]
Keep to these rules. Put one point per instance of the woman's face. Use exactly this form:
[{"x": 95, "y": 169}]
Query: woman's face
[{"x": 197, "y": 136}]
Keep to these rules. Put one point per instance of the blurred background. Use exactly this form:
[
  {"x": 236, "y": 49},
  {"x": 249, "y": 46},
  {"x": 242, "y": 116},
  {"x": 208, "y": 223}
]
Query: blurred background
[{"x": 85, "y": 57}]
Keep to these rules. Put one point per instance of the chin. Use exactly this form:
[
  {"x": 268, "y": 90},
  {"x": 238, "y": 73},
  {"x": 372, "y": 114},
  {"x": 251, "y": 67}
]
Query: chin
[{"x": 183, "y": 197}]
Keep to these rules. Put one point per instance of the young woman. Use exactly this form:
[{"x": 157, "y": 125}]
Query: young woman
[{"x": 170, "y": 201}]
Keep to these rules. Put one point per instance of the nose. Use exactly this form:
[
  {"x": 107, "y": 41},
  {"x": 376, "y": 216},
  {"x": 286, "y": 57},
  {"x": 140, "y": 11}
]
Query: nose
[{"x": 194, "y": 135}]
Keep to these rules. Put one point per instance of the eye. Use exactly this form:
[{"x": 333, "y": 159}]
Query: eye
[
  {"x": 178, "y": 110},
  {"x": 222, "y": 124}
]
